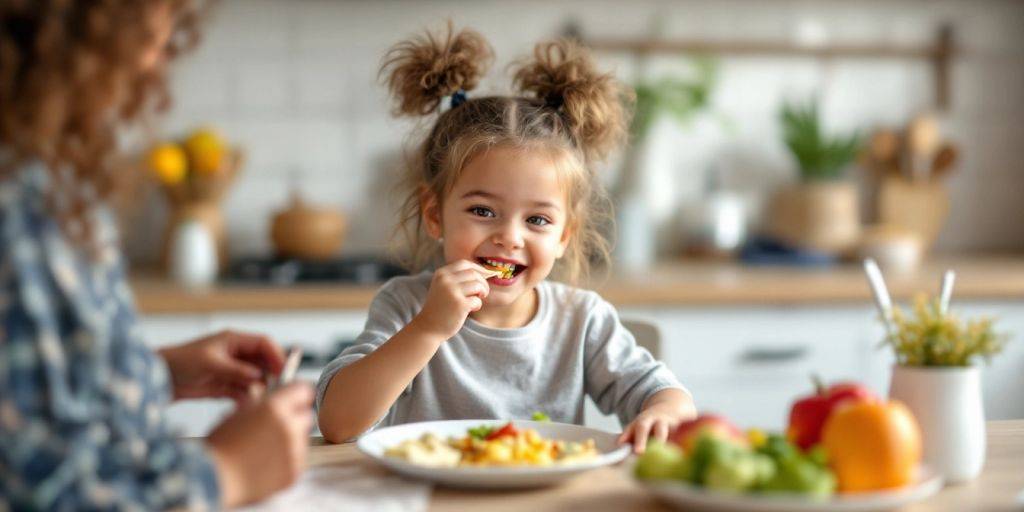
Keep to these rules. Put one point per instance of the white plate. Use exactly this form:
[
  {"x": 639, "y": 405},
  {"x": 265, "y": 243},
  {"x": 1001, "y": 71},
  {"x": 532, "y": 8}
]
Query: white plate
[
  {"x": 689, "y": 497},
  {"x": 375, "y": 443}
]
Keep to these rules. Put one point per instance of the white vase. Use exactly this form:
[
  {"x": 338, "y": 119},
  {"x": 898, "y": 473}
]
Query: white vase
[
  {"x": 947, "y": 403},
  {"x": 193, "y": 255}
]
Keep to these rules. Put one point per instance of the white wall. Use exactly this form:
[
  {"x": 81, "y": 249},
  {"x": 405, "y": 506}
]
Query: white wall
[{"x": 294, "y": 82}]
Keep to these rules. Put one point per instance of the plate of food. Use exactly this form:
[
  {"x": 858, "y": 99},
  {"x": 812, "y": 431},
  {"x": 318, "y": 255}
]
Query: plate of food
[{"x": 494, "y": 454}]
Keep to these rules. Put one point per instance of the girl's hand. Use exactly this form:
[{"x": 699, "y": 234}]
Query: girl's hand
[
  {"x": 261, "y": 448},
  {"x": 456, "y": 290},
  {"x": 662, "y": 413},
  {"x": 226, "y": 364}
]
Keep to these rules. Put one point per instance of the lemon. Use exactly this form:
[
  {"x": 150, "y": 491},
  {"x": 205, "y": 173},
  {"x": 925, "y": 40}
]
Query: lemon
[
  {"x": 206, "y": 150},
  {"x": 169, "y": 163}
]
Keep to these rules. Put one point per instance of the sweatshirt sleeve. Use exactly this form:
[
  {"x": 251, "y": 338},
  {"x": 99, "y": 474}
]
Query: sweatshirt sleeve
[
  {"x": 81, "y": 398},
  {"x": 390, "y": 311},
  {"x": 620, "y": 375}
]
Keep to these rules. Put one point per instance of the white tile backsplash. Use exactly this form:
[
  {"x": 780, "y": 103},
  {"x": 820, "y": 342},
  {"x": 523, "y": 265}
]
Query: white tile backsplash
[{"x": 295, "y": 83}]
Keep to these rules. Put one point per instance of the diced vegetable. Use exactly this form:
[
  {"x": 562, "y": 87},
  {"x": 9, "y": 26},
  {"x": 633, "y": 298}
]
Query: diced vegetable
[
  {"x": 480, "y": 432},
  {"x": 507, "y": 430}
]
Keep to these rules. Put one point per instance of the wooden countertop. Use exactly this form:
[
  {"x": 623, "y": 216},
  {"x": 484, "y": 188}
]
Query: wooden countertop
[
  {"x": 610, "y": 488},
  {"x": 671, "y": 284}
]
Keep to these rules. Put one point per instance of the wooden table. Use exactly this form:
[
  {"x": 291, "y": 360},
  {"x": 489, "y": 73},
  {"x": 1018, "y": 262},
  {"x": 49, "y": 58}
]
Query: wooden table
[{"x": 998, "y": 488}]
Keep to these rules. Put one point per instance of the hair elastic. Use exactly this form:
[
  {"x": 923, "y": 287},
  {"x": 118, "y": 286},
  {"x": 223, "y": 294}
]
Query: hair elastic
[{"x": 458, "y": 98}]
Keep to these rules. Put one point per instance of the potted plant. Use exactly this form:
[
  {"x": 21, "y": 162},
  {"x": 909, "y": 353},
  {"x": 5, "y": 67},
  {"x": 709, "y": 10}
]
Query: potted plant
[
  {"x": 938, "y": 377},
  {"x": 821, "y": 211}
]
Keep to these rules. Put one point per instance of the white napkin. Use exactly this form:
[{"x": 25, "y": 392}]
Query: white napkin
[{"x": 352, "y": 488}]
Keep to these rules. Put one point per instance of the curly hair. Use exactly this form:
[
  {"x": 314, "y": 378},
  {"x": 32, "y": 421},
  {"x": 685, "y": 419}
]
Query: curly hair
[
  {"x": 71, "y": 76},
  {"x": 563, "y": 104}
]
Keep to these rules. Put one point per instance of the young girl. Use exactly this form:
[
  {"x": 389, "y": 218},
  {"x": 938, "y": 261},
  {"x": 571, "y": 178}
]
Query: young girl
[{"x": 502, "y": 189}]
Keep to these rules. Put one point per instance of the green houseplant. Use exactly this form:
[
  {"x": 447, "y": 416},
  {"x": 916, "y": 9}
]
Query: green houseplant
[
  {"x": 821, "y": 211},
  {"x": 819, "y": 156}
]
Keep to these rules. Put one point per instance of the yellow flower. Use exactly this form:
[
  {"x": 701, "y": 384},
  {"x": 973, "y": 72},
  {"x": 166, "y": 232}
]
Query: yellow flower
[
  {"x": 206, "y": 150},
  {"x": 169, "y": 163}
]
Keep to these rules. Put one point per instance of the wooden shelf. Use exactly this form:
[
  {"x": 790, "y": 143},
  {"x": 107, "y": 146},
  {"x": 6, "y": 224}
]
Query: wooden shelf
[{"x": 939, "y": 53}]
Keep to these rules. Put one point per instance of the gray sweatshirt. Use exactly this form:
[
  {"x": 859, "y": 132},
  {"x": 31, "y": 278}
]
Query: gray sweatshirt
[{"x": 574, "y": 345}]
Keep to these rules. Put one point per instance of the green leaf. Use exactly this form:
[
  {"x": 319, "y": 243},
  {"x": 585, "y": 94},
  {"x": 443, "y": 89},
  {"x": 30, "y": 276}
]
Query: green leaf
[{"x": 818, "y": 155}]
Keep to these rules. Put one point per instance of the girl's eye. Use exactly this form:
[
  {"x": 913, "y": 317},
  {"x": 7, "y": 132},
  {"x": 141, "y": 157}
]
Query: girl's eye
[
  {"x": 480, "y": 211},
  {"x": 538, "y": 221}
]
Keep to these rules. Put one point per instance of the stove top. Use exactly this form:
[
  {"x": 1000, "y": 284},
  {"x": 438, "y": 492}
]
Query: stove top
[{"x": 282, "y": 271}]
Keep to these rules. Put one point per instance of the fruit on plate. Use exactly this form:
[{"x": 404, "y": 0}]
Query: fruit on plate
[
  {"x": 721, "y": 464},
  {"x": 796, "y": 471},
  {"x": 809, "y": 413},
  {"x": 872, "y": 445},
  {"x": 687, "y": 433},
  {"x": 662, "y": 461},
  {"x": 724, "y": 465}
]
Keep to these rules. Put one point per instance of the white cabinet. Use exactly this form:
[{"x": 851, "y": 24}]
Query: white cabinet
[
  {"x": 746, "y": 362},
  {"x": 750, "y": 363}
]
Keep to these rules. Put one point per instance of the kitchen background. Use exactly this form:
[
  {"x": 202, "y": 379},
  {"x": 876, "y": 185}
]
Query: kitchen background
[{"x": 294, "y": 84}]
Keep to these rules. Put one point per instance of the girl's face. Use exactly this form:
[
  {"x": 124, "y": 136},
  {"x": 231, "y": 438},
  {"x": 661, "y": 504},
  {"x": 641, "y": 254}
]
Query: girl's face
[{"x": 507, "y": 207}]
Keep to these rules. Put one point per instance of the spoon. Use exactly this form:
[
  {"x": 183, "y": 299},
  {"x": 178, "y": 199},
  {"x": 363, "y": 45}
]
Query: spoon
[
  {"x": 946, "y": 291},
  {"x": 883, "y": 301}
]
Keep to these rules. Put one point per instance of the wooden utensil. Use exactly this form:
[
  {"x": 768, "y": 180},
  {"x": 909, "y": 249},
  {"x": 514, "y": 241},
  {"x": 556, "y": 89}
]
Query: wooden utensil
[
  {"x": 922, "y": 142},
  {"x": 942, "y": 165}
]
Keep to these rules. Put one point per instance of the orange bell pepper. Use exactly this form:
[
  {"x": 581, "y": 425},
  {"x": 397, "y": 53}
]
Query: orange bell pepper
[{"x": 872, "y": 445}]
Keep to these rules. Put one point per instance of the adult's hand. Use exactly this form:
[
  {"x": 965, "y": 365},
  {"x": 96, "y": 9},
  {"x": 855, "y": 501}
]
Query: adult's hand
[
  {"x": 227, "y": 364},
  {"x": 262, "y": 448}
]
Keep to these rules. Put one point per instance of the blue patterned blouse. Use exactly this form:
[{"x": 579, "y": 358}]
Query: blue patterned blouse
[{"x": 81, "y": 398}]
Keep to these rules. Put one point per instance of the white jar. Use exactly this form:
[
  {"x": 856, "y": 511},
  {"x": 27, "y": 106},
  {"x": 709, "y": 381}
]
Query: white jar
[
  {"x": 947, "y": 403},
  {"x": 193, "y": 255}
]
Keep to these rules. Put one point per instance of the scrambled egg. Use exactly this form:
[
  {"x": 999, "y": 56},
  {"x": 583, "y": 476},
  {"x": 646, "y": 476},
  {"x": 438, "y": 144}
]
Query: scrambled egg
[{"x": 503, "y": 447}]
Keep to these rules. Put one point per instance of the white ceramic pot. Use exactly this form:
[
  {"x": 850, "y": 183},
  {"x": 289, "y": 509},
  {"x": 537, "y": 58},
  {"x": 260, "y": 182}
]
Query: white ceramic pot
[
  {"x": 193, "y": 255},
  {"x": 947, "y": 403}
]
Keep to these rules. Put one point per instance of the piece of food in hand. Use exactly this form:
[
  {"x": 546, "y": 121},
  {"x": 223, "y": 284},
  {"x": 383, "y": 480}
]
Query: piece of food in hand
[
  {"x": 662, "y": 461},
  {"x": 206, "y": 150},
  {"x": 686, "y": 434},
  {"x": 808, "y": 414},
  {"x": 169, "y": 163},
  {"x": 872, "y": 445}
]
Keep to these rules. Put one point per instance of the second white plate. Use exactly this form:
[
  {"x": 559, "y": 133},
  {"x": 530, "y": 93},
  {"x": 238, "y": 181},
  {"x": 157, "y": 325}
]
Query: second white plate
[{"x": 689, "y": 497}]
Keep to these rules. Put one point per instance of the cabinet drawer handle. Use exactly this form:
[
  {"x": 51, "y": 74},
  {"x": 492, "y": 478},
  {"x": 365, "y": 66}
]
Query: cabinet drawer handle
[{"x": 773, "y": 354}]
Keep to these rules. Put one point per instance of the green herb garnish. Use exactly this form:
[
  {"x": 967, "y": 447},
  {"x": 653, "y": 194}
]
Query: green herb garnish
[{"x": 480, "y": 432}]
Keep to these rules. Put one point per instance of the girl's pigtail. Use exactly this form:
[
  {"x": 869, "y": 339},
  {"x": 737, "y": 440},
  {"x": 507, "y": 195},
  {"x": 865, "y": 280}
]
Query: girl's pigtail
[
  {"x": 424, "y": 70},
  {"x": 593, "y": 104}
]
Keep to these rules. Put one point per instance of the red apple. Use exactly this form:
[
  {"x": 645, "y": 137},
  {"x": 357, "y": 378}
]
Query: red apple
[
  {"x": 686, "y": 434},
  {"x": 808, "y": 414}
]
